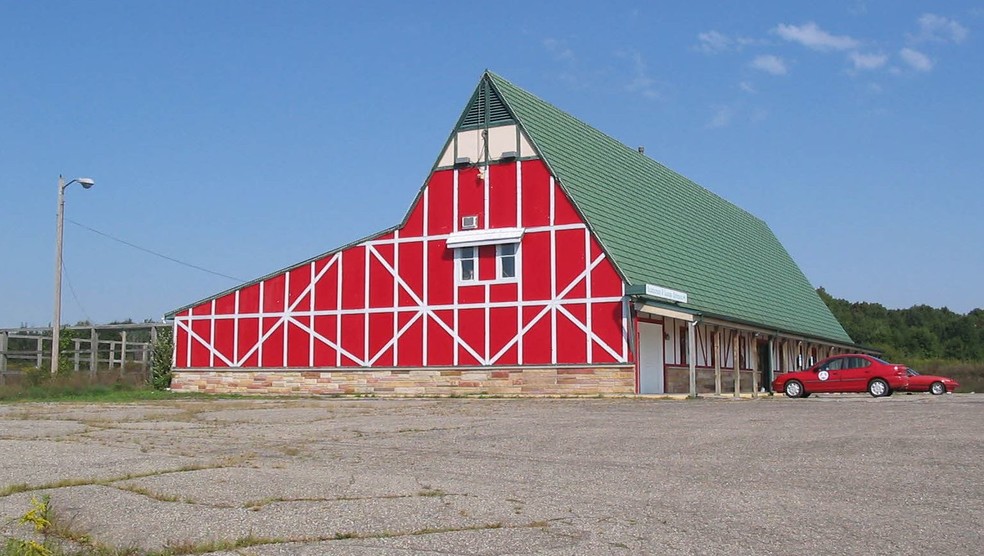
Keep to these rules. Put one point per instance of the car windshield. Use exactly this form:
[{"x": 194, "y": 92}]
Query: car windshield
[
  {"x": 911, "y": 371},
  {"x": 882, "y": 361}
]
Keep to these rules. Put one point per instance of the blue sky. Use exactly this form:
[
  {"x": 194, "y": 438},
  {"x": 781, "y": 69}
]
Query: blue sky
[{"x": 244, "y": 137}]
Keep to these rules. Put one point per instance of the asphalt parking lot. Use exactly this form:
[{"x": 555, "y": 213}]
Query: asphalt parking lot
[{"x": 826, "y": 475}]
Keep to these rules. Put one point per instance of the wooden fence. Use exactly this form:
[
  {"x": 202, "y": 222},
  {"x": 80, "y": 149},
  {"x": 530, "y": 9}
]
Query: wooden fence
[{"x": 124, "y": 348}]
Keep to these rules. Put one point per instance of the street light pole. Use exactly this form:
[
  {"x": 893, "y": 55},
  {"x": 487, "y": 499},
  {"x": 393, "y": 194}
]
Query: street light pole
[{"x": 59, "y": 234}]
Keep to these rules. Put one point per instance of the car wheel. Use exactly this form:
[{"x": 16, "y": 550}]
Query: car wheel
[
  {"x": 937, "y": 388},
  {"x": 878, "y": 388},
  {"x": 793, "y": 389}
]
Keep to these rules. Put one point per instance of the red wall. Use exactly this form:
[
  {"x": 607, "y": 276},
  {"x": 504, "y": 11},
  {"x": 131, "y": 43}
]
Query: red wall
[{"x": 392, "y": 301}]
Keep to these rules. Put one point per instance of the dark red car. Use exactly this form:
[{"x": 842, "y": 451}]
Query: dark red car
[
  {"x": 933, "y": 384},
  {"x": 852, "y": 372}
]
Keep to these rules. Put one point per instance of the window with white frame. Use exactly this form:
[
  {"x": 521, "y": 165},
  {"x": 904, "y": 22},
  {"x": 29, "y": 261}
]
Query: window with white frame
[
  {"x": 467, "y": 259},
  {"x": 506, "y": 260}
]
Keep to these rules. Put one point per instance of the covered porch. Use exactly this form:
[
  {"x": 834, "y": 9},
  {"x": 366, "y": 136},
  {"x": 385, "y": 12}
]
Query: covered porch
[{"x": 679, "y": 351}]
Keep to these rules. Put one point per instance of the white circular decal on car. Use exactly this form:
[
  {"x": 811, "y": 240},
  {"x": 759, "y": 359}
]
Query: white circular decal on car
[{"x": 823, "y": 375}]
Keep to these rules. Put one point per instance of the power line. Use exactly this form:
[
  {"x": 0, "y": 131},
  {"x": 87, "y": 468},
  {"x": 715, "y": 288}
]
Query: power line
[
  {"x": 75, "y": 296},
  {"x": 152, "y": 252}
]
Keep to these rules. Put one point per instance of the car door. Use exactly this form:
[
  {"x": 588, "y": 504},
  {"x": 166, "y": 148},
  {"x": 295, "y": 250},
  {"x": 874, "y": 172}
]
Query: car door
[
  {"x": 825, "y": 377},
  {"x": 856, "y": 374}
]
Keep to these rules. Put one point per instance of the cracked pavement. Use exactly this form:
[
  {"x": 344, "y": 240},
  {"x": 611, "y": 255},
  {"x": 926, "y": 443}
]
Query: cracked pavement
[{"x": 831, "y": 474}]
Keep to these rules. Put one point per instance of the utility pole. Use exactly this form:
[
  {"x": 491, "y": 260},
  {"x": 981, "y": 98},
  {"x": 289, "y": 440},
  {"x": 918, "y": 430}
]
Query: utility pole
[{"x": 59, "y": 234}]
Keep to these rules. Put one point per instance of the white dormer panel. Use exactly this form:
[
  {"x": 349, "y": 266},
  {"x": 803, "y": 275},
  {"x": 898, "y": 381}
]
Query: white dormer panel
[
  {"x": 447, "y": 159},
  {"x": 525, "y": 148},
  {"x": 470, "y": 144},
  {"x": 502, "y": 139}
]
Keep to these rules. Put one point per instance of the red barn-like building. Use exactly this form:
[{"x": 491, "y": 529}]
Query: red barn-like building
[{"x": 539, "y": 257}]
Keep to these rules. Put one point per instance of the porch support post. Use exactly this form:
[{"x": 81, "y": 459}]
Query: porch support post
[
  {"x": 692, "y": 357},
  {"x": 717, "y": 362},
  {"x": 772, "y": 362},
  {"x": 734, "y": 361},
  {"x": 753, "y": 363}
]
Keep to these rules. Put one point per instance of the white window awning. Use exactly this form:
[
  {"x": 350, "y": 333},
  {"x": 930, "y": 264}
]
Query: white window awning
[
  {"x": 475, "y": 238},
  {"x": 664, "y": 312}
]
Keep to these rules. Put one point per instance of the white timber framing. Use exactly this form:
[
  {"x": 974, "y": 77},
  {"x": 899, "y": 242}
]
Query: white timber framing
[{"x": 557, "y": 307}]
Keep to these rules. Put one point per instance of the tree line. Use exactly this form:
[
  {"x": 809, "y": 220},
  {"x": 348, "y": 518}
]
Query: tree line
[{"x": 920, "y": 332}]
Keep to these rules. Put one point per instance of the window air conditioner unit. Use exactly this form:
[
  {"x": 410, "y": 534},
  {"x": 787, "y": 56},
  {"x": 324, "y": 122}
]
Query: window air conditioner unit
[{"x": 469, "y": 222}]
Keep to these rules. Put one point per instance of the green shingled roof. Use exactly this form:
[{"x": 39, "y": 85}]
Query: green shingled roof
[{"x": 661, "y": 228}]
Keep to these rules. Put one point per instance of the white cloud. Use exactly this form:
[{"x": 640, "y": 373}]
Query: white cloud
[
  {"x": 747, "y": 87},
  {"x": 812, "y": 36},
  {"x": 558, "y": 49},
  {"x": 713, "y": 42},
  {"x": 916, "y": 60},
  {"x": 770, "y": 64},
  {"x": 936, "y": 28},
  {"x": 867, "y": 61},
  {"x": 641, "y": 83},
  {"x": 722, "y": 117}
]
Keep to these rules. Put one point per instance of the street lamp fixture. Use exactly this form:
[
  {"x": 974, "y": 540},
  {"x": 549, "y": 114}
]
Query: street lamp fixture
[{"x": 86, "y": 183}]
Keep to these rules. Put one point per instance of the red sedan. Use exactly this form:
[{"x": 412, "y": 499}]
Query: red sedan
[
  {"x": 853, "y": 372},
  {"x": 933, "y": 384}
]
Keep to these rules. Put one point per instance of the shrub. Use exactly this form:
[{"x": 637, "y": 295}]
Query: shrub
[{"x": 160, "y": 359}]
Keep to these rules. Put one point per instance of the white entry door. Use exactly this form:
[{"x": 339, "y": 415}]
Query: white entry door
[{"x": 651, "y": 358}]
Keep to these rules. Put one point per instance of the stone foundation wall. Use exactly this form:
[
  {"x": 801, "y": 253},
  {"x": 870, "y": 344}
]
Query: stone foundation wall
[{"x": 411, "y": 382}]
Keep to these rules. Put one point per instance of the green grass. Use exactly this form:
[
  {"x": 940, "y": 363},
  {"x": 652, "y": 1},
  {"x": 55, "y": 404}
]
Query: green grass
[
  {"x": 81, "y": 387},
  {"x": 98, "y": 393}
]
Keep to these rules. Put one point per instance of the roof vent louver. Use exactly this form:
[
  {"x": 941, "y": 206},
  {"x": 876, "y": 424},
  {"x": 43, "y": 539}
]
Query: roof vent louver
[{"x": 486, "y": 108}]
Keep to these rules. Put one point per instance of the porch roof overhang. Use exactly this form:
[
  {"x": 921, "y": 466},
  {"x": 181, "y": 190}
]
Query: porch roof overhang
[{"x": 649, "y": 305}]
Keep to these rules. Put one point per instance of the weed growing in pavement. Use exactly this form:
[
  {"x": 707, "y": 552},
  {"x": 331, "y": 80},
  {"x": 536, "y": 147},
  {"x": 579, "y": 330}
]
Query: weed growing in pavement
[
  {"x": 290, "y": 451},
  {"x": 428, "y": 492},
  {"x": 52, "y": 532},
  {"x": 59, "y": 539},
  {"x": 149, "y": 493},
  {"x": 182, "y": 548},
  {"x": 39, "y": 518},
  {"x": 24, "y": 487}
]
